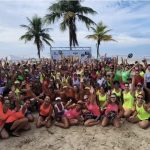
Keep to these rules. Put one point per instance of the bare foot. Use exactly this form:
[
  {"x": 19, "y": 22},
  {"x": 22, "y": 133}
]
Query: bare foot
[{"x": 16, "y": 134}]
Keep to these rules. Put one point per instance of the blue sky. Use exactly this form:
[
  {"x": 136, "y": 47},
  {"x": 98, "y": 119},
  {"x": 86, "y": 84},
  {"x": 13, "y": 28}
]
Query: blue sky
[{"x": 129, "y": 21}]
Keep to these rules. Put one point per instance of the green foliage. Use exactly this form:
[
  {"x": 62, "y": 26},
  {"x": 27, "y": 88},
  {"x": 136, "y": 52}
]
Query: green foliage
[
  {"x": 35, "y": 31},
  {"x": 69, "y": 11},
  {"x": 100, "y": 33}
]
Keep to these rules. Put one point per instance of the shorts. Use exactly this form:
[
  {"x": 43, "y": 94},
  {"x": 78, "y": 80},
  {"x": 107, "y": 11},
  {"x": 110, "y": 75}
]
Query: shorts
[
  {"x": 44, "y": 117},
  {"x": 8, "y": 126},
  {"x": 27, "y": 113},
  {"x": 59, "y": 115}
]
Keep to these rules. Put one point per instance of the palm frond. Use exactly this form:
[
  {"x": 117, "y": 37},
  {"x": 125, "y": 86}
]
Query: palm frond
[
  {"x": 51, "y": 18},
  {"x": 86, "y": 20},
  {"x": 93, "y": 36},
  {"x": 63, "y": 26},
  {"x": 86, "y": 10}
]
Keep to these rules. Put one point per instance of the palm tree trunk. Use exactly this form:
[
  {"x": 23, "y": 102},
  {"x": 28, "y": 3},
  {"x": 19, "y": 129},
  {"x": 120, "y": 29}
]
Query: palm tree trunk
[
  {"x": 70, "y": 36},
  {"x": 38, "y": 49},
  {"x": 98, "y": 43}
]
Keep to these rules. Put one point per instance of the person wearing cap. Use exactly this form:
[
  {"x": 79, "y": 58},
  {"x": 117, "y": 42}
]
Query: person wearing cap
[{"x": 59, "y": 110}]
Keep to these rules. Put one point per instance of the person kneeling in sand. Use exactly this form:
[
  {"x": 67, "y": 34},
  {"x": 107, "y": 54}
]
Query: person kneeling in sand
[
  {"x": 114, "y": 111},
  {"x": 141, "y": 114},
  {"x": 45, "y": 114}
]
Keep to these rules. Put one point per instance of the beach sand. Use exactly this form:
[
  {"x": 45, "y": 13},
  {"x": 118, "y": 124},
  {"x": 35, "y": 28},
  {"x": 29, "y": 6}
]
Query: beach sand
[{"x": 128, "y": 137}]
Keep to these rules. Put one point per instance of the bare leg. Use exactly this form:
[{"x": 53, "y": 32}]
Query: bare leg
[
  {"x": 116, "y": 123},
  {"x": 105, "y": 122},
  {"x": 127, "y": 113},
  {"x": 21, "y": 125},
  {"x": 73, "y": 122},
  {"x": 133, "y": 120},
  {"x": 91, "y": 122},
  {"x": 4, "y": 134},
  {"x": 39, "y": 122},
  {"x": 63, "y": 124},
  {"x": 30, "y": 117},
  {"x": 48, "y": 123},
  {"x": 144, "y": 124},
  {"x": 27, "y": 127}
]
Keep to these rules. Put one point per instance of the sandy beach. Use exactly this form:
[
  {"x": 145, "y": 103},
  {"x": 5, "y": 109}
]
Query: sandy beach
[{"x": 128, "y": 137}]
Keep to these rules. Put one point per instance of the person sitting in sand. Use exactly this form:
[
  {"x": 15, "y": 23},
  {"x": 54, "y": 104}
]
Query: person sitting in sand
[
  {"x": 91, "y": 114},
  {"x": 113, "y": 112},
  {"x": 73, "y": 114},
  {"x": 45, "y": 113},
  {"x": 141, "y": 114},
  {"x": 12, "y": 121},
  {"x": 59, "y": 110}
]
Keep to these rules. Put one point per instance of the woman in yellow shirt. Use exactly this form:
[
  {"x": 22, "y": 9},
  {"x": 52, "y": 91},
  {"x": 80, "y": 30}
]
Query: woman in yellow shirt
[
  {"x": 101, "y": 96},
  {"x": 128, "y": 100},
  {"x": 141, "y": 114}
]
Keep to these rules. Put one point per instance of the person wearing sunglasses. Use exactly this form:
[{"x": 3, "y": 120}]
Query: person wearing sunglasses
[
  {"x": 141, "y": 114},
  {"x": 139, "y": 90},
  {"x": 113, "y": 112},
  {"x": 117, "y": 90}
]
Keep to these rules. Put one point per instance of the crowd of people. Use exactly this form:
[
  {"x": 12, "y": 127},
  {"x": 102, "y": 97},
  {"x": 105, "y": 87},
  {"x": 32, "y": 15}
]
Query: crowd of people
[{"x": 69, "y": 92}]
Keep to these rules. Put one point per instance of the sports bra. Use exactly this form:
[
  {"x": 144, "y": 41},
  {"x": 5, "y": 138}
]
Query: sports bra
[{"x": 45, "y": 111}]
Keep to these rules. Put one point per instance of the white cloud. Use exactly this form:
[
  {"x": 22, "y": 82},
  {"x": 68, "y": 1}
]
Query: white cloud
[{"x": 128, "y": 40}]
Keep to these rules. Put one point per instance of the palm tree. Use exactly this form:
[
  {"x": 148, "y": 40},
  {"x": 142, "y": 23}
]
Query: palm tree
[
  {"x": 69, "y": 11},
  {"x": 99, "y": 35},
  {"x": 36, "y": 32}
]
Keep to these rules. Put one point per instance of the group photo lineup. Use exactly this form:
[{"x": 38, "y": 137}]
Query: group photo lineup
[{"x": 75, "y": 75}]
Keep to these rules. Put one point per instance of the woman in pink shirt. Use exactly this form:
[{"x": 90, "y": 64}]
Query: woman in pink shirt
[
  {"x": 73, "y": 113},
  {"x": 92, "y": 113},
  {"x": 113, "y": 112}
]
